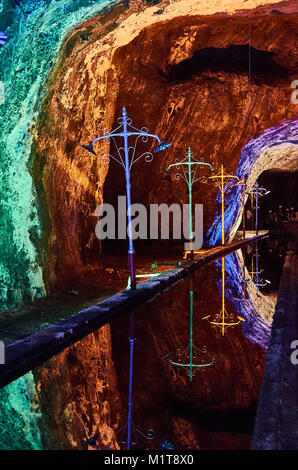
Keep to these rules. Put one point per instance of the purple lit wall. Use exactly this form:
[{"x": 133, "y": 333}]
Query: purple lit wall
[{"x": 277, "y": 147}]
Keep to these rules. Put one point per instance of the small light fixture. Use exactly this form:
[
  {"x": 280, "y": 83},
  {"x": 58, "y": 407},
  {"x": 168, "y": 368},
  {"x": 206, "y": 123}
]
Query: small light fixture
[
  {"x": 161, "y": 146},
  {"x": 89, "y": 148},
  {"x": 3, "y": 38}
]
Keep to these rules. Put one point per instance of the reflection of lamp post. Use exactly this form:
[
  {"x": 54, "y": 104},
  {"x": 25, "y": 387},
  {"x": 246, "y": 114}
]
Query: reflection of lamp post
[
  {"x": 223, "y": 319},
  {"x": 257, "y": 280},
  {"x": 244, "y": 281},
  {"x": 191, "y": 352},
  {"x": 129, "y": 427},
  {"x": 189, "y": 167},
  {"x": 126, "y": 158},
  {"x": 257, "y": 191}
]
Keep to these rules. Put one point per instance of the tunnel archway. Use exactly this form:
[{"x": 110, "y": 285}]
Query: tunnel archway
[{"x": 276, "y": 148}]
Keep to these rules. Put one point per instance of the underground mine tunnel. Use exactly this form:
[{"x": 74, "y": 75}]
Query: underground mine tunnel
[{"x": 154, "y": 343}]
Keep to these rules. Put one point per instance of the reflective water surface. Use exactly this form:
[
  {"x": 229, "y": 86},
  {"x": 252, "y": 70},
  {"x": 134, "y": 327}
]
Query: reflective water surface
[{"x": 183, "y": 371}]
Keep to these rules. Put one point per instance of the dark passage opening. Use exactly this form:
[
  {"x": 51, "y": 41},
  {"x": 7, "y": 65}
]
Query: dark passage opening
[
  {"x": 232, "y": 59},
  {"x": 277, "y": 207},
  {"x": 277, "y": 214},
  {"x": 283, "y": 187}
]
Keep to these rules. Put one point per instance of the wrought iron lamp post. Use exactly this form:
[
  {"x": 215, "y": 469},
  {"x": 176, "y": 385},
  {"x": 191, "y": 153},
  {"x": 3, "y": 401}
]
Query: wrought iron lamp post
[
  {"x": 257, "y": 191},
  {"x": 189, "y": 167},
  {"x": 126, "y": 157},
  {"x": 243, "y": 182},
  {"x": 219, "y": 181},
  {"x": 191, "y": 352}
]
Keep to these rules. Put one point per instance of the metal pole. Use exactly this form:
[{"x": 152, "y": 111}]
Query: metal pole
[
  {"x": 223, "y": 296},
  {"x": 191, "y": 334},
  {"x": 190, "y": 201},
  {"x": 131, "y": 352},
  {"x": 222, "y": 208},
  {"x": 257, "y": 268},
  {"x": 244, "y": 280},
  {"x": 132, "y": 271},
  {"x": 131, "y": 251},
  {"x": 243, "y": 215},
  {"x": 129, "y": 417},
  {"x": 257, "y": 199}
]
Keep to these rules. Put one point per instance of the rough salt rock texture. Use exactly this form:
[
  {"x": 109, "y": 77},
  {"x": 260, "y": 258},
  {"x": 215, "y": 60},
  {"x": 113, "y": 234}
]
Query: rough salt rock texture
[
  {"x": 190, "y": 90},
  {"x": 79, "y": 387},
  {"x": 36, "y": 31},
  {"x": 64, "y": 402},
  {"x": 48, "y": 200},
  {"x": 20, "y": 416}
]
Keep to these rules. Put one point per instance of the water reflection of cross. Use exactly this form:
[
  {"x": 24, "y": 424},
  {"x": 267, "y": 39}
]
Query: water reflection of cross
[
  {"x": 244, "y": 281},
  {"x": 223, "y": 319},
  {"x": 129, "y": 428},
  {"x": 192, "y": 352},
  {"x": 255, "y": 274}
]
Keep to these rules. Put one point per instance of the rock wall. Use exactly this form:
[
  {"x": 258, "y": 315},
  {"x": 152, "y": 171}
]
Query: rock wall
[
  {"x": 64, "y": 402},
  {"x": 20, "y": 416},
  {"x": 36, "y": 31},
  {"x": 79, "y": 387},
  {"x": 182, "y": 72},
  {"x": 191, "y": 90}
]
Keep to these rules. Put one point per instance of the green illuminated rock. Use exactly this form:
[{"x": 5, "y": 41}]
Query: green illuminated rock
[
  {"x": 36, "y": 30},
  {"x": 19, "y": 415}
]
